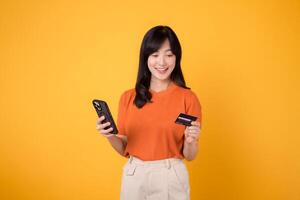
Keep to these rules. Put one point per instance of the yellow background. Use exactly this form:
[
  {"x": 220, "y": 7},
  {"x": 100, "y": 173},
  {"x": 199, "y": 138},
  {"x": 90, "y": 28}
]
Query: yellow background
[{"x": 240, "y": 57}]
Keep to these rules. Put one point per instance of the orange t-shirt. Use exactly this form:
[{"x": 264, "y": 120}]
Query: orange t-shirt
[{"x": 151, "y": 131}]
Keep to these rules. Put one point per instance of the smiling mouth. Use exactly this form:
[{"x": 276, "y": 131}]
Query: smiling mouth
[{"x": 162, "y": 69}]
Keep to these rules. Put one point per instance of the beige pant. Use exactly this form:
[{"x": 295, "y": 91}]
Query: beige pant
[{"x": 155, "y": 180}]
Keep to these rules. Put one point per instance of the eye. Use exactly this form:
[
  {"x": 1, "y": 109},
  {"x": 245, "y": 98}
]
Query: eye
[
  {"x": 154, "y": 55},
  {"x": 170, "y": 55}
]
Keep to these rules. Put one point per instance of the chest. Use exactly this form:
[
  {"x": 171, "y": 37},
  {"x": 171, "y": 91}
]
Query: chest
[{"x": 157, "y": 118}]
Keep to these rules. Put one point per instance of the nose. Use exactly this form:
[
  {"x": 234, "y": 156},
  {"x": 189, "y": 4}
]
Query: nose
[{"x": 161, "y": 61}]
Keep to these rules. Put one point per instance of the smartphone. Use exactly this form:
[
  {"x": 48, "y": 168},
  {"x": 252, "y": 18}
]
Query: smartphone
[{"x": 102, "y": 109}]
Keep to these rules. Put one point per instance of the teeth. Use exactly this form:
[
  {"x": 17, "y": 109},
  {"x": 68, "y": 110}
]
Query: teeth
[{"x": 161, "y": 69}]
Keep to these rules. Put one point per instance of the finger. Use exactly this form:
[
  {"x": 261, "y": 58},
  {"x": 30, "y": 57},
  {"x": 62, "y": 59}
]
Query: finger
[
  {"x": 193, "y": 133},
  {"x": 188, "y": 128},
  {"x": 100, "y": 119},
  {"x": 197, "y": 131},
  {"x": 110, "y": 130},
  {"x": 194, "y": 128},
  {"x": 102, "y": 126},
  {"x": 186, "y": 132},
  {"x": 195, "y": 123},
  {"x": 97, "y": 127},
  {"x": 105, "y": 124},
  {"x": 105, "y": 132}
]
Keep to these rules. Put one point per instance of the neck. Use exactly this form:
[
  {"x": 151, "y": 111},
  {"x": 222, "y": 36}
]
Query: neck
[{"x": 159, "y": 85}]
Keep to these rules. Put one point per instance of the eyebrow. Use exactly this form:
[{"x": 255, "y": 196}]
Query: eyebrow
[{"x": 168, "y": 50}]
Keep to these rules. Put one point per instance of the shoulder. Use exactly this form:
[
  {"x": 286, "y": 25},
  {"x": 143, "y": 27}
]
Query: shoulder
[
  {"x": 127, "y": 95},
  {"x": 128, "y": 92},
  {"x": 189, "y": 97},
  {"x": 187, "y": 93}
]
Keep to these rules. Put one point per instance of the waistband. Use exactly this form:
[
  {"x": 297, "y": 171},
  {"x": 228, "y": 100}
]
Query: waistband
[{"x": 166, "y": 162}]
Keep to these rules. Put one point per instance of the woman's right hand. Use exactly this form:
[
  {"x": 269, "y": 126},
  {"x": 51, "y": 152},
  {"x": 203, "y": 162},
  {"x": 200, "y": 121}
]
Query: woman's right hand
[{"x": 100, "y": 127}]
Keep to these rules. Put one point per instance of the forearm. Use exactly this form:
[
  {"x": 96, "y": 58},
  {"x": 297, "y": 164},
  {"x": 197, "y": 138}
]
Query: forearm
[
  {"x": 118, "y": 144},
  {"x": 190, "y": 150}
]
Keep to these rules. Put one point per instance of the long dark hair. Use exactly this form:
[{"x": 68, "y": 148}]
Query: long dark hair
[{"x": 152, "y": 41}]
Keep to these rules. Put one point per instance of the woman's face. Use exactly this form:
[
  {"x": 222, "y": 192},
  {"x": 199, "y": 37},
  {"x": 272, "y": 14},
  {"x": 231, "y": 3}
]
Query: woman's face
[{"x": 162, "y": 62}]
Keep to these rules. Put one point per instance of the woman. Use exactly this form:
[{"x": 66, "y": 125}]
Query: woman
[{"x": 148, "y": 135}]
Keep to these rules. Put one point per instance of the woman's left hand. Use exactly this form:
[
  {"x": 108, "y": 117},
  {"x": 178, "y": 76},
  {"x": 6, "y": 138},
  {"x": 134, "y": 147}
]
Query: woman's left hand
[{"x": 192, "y": 133}]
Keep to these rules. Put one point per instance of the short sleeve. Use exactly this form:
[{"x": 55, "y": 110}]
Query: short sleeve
[
  {"x": 122, "y": 114},
  {"x": 193, "y": 106}
]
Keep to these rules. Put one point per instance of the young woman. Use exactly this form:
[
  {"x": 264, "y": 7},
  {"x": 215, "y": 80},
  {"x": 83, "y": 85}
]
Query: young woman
[{"x": 148, "y": 135}]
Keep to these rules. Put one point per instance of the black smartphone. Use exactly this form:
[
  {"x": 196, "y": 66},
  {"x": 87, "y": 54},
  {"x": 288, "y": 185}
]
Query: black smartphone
[{"x": 102, "y": 109}]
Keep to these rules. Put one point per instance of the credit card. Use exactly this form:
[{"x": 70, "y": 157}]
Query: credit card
[{"x": 185, "y": 119}]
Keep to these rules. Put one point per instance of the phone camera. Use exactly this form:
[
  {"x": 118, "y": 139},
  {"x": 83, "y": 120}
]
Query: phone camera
[{"x": 99, "y": 108}]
